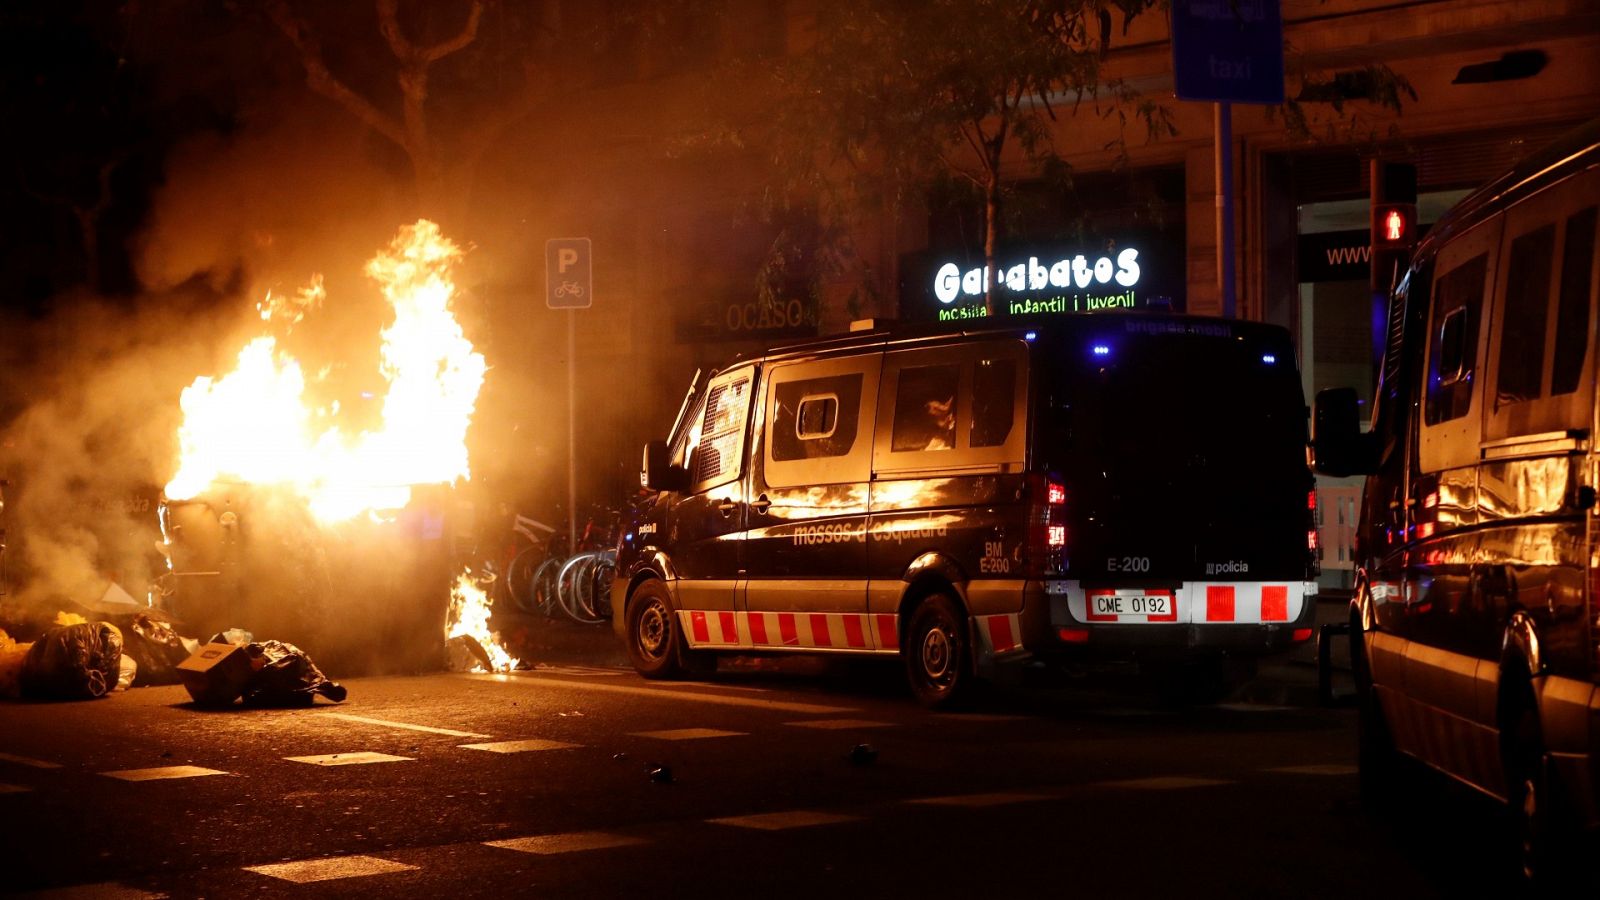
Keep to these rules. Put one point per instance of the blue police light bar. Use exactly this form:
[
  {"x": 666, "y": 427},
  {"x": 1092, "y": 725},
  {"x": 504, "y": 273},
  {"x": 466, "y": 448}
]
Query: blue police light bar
[
  {"x": 1102, "y": 350},
  {"x": 1030, "y": 335},
  {"x": 1268, "y": 358}
]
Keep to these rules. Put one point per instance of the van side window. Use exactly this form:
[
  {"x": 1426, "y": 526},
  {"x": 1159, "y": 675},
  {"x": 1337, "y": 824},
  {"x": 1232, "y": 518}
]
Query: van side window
[
  {"x": 1573, "y": 313},
  {"x": 1457, "y": 309},
  {"x": 1521, "y": 365},
  {"x": 815, "y": 417},
  {"x": 994, "y": 388},
  {"x": 925, "y": 408},
  {"x": 722, "y": 433}
]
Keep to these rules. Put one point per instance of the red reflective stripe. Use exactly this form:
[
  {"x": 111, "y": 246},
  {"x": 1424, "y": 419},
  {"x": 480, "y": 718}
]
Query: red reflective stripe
[
  {"x": 786, "y": 630},
  {"x": 730, "y": 627},
  {"x": 888, "y": 635},
  {"x": 853, "y": 634},
  {"x": 758, "y": 628},
  {"x": 1088, "y": 606},
  {"x": 1172, "y": 607},
  {"x": 1000, "y": 633},
  {"x": 1275, "y": 603},
  {"x": 1219, "y": 603},
  {"x": 701, "y": 633},
  {"x": 819, "y": 631}
]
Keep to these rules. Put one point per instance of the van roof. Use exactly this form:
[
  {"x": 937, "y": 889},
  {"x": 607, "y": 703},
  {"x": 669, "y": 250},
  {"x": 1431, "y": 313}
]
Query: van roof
[
  {"x": 1013, "y": 327},
  {"x": 1574, "y": 151}
]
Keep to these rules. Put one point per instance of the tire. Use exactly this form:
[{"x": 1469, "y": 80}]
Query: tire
[
  {"x": 654, "y": 642},
  {"x": 573, "y": 584},
  {"x": 519, "y": 579},
  {"x": 545, "y": 587},
  {"x": 1545, "y": 847},
  {"x": 937, "y": 653}
]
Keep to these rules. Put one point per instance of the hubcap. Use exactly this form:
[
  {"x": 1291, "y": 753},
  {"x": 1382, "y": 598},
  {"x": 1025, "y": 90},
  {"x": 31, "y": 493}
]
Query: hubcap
[
  {"x": 652, "y": 630},
  {"x": 936, "y": 652}
]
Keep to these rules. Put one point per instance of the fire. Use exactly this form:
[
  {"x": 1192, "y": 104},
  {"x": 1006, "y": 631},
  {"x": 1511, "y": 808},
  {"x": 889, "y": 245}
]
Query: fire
[
  {"x": 469, "y": 617},
  {"x": 255, "y": 424}
]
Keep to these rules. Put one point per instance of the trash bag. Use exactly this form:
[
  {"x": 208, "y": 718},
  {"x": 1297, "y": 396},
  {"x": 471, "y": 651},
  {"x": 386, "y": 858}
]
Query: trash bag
[
  {"x": 11, "y": 656},
  {"x": 156, "y": 647},
  {"x": 286, "y": 676},
  {"x": 73, "y": 662},
  {"x": 127, "y": 671}
]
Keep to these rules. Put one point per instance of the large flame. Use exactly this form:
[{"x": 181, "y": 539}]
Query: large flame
[
  {"x": 469, "y": 617},
  {"x": 255, "y": 425}
]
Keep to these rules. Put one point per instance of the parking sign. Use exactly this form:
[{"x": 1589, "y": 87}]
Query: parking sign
[{"x": 568, "y": 275}]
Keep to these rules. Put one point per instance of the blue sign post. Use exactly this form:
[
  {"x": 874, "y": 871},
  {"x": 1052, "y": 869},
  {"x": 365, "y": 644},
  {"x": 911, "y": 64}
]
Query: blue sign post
[{"x": 1227, "y": 51}]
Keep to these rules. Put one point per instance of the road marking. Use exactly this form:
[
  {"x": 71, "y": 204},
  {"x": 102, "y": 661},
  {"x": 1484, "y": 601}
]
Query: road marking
[
  {"x": 25, "y": 761},
  {"x": 1252, "y": 707},
  {"x": 105, "y": 890},
  {"x": 778, "y": 821},
  {"x": 1327, "y": 769},
  {"x": 163, "y": 772},
  {"x": 14, "y": 789},
  {"x": 980, "y": 800},
  {"x": 978, "y": 717},
  {"x": 1161, "y": 783},
  {"x": 688, "y": 734},
  {"x": 572, "y": 842},
  {"x": 520, "y": 746},
  {"x": 348, "y": 759},
  {"x": 307, "y": 871},
  {"x": 690, "y": 696},
  {"x": 407, "y": 726},
  {"x": 580, "y": 671},
  {"x": 721, "y": 687},
  {"x": 839, "y": 724}
]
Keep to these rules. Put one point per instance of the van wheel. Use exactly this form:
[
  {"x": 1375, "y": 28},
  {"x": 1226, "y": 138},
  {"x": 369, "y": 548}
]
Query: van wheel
[
  {"x": 1378, "y": 763},
  {"x": 937, "y": 655},
  {"x": 1531, "y": 796},
  {"x": 653, "y": 636}
]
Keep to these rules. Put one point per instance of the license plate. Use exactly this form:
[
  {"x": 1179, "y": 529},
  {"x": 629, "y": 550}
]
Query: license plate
[{"x": 1146, "y": 606}]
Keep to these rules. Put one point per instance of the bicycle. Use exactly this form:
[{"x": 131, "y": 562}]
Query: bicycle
[{"x": 522, "y": 570}]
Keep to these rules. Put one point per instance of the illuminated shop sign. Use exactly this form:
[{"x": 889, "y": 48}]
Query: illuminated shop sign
[
  {"x": 950, "y": 283},
  {"x": 1053, "y": 283}
]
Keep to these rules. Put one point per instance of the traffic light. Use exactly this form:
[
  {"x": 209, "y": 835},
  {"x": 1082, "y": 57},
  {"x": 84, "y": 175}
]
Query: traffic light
[{"x": 1394, "y": 222}]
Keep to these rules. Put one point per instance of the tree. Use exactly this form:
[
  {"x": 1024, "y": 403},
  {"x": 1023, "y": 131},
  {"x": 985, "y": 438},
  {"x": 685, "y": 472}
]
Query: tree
[{"x": 896, "y": 93}]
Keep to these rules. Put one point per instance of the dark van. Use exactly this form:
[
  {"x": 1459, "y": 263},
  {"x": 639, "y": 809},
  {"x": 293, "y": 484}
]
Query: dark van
[
  {"x": 1473, "y": 622},
  {"x": 1127, "y": 485}
]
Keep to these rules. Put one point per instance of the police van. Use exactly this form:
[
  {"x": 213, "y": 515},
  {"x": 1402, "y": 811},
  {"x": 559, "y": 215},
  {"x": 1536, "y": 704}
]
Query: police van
[
  {"x": 1475, "y": 641},
  {"x": 1109, "y": 485}
]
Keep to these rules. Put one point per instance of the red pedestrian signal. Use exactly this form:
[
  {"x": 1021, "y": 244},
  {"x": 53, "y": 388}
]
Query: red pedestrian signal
[{"x": 1393, "y": 225}]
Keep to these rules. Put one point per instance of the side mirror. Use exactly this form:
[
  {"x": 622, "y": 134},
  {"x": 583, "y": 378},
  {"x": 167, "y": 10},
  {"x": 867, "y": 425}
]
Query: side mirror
[
  {"x": 1337, "y": 445},
  {"x": 658, "y": 473}
]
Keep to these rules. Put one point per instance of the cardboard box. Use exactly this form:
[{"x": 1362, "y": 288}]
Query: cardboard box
[{"x": 216, "y": 674}]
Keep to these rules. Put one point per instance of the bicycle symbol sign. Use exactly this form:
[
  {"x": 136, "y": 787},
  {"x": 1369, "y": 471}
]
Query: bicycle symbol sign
[{"x": 568, "y": 273}]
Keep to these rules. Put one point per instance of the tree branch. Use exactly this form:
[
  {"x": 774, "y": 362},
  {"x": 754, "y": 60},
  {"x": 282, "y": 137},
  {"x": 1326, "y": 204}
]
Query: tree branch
[
  {"x": 322, "y": 81},
  {"x": 469, "y": 33}
]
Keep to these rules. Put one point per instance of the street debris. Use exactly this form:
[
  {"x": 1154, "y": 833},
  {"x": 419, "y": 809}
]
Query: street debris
[
  {"x": 863, "y": 754},
  {"x": 11, "y": 656},
  {"x": 268, "y": 673},
  {"x": 127, "y": 670},
  {"x": 661, "y": 774},
  {"x": 73, "y": 662},
  {"x": 157, "y": 649}
]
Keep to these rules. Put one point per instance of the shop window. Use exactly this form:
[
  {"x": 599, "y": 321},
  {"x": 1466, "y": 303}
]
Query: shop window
[
  {"x": 1457, "y": 306},
  {"x": 1574, "y": 313},
  {"x": 1521, "y": 364},
  {"x": 925, "y": 408},
  {"x": 814, "y": 418},
  {"x": 994, "y": 395}
]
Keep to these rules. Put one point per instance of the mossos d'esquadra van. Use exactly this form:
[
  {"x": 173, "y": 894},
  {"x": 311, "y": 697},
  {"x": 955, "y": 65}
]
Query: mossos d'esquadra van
[
  {"x": 1092, "y": 486},
  {"x": 1475, "y": 641}
]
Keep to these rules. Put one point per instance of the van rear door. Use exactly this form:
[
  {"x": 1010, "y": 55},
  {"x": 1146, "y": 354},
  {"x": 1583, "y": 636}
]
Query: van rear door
[{"x": 1183, "y": 447}]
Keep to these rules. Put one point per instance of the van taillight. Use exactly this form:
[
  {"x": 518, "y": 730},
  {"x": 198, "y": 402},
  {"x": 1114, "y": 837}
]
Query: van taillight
[
  {"x": 1311, "y": 500},
  {"x": 1047, "y": 524}
]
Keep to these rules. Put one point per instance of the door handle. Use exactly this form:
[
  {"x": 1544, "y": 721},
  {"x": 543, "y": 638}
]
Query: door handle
[
  {"x": 760, "y": 504},
  {"x": 726, "y": 506}
]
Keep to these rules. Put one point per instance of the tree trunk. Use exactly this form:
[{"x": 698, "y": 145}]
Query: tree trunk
[{"x": 991, "y": 223}]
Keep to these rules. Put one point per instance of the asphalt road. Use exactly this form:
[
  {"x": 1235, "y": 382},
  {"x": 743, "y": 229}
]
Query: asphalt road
[{"x": 540, "y": 784}]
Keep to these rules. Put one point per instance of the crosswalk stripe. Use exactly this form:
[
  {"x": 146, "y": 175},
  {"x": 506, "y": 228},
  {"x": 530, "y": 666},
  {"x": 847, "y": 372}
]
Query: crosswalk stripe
[
  {"x": 1324, "y": 769},
  {"x": 348, "y": 759},
  {"x": 105, "y": 890},
  {"x": 778, "y": 821},
  {"x": 658, "y": 693},
  {"x": 839, "y": 724},
  {"x": 162, "y": 772},
  {"x": 1161, "y": 783},
  {"x": 329, "y": 868},
  {"x": 688, "y": 734},
  {"x": 572, "y": 842},
  {"x": 406, "y": 726},
  {"x": 25, "y": 761},
  {"x": 520, "y": 746},
  {"x": 979, "y": 800}
]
